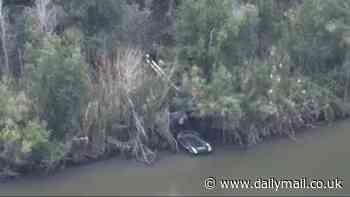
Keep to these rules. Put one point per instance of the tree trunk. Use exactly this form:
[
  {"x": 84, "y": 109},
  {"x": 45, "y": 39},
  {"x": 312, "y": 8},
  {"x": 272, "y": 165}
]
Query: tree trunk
[{"x": 6, "y": 70}]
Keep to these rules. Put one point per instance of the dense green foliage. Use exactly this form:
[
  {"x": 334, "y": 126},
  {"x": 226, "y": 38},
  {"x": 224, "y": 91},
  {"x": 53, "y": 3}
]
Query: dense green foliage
[
  {"x": 21, "y": 132},
  {"x": 318, "y": 36},
  {"x": 248, "y": 70},
  {"x": 95, "y": 16},
  {"x": 209, "y": 34},
  {"x": 59, "y": 83},
  {"x": 265, "y": 71}
]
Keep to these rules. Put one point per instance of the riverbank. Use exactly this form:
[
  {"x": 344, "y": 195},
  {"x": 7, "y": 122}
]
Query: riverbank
[
  {"x": 80, "y": 85},
  {"x": 66, "y": 163},
  {"x": 320, "y": 152}
]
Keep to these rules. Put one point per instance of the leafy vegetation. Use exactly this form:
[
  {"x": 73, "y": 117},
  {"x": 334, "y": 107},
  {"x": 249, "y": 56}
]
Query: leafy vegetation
[
  {"x": 209, "y": 34},
  {"x": 246, "y": 70},
  {"x": 21, "y": 131},
  {"x": 59, "y": 84}
]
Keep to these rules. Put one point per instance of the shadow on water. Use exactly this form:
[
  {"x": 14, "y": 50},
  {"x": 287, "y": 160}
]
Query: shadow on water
[{"x": 322, "y": 152}]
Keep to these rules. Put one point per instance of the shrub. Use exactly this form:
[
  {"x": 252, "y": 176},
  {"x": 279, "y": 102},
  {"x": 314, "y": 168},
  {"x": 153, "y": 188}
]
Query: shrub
[
  {"x": 20, "y": 131},
  {"x": 260, "y": 100},
  {"x": 317, "y": 39},
  {"x": 58, "y": 81},
  {"x": 212, "y": 33}
]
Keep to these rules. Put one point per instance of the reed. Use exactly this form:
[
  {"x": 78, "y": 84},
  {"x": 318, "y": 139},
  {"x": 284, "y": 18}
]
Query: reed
[{"x": 129, "y": 105}]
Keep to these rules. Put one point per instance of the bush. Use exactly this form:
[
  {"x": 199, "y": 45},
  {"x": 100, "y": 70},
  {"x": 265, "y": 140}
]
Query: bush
[
  {"x": 20, "y": 131},
  {"x": 212, "y": 33},
  {"x": 260, "y": 100},
  {"x": 58, "y": 81},
  {"x": 316, "y": 36}
]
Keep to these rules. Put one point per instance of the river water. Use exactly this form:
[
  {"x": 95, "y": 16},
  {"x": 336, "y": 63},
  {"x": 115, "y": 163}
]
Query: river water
[{"x": 319, "y": 153}]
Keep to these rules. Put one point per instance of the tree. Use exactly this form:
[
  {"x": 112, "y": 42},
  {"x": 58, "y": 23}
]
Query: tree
[
  {"x": 316, "y": 35},
  {"x": 6, "y": 70},
  {"x": 96, "y": 19},
  {"x": 212, "y": 32},
  {"x": 58, "y": 82}
]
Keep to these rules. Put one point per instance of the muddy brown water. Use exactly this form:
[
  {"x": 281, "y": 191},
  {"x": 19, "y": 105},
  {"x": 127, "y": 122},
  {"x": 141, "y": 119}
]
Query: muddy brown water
[{"x": 319, "y": 153}]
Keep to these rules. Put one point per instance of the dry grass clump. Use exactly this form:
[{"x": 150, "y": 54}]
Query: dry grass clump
[{"x": 128, "y": 106}]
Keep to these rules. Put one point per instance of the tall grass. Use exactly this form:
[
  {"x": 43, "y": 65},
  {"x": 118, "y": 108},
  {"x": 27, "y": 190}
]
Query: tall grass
[{"x": 128, "y": 106}]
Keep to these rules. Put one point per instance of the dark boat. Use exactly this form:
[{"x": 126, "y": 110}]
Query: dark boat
[{"x": 193, "y": 143}]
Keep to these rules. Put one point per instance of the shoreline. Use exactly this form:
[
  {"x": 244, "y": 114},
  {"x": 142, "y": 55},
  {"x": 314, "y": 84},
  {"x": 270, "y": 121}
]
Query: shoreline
[{"x": 38, "y": 173}]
